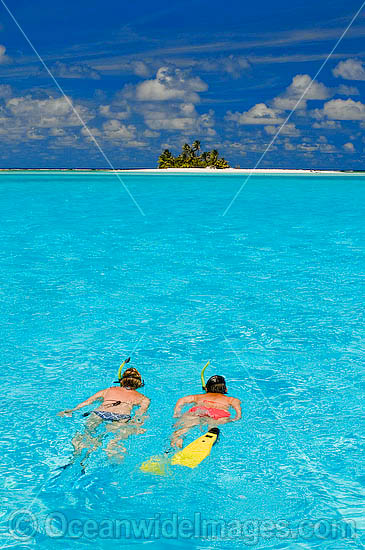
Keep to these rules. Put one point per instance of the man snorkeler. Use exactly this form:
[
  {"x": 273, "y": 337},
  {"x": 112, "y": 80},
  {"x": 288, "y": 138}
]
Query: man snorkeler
[
  {"x": 210, "y": 408},
  {"x": 116, "y": 410}
]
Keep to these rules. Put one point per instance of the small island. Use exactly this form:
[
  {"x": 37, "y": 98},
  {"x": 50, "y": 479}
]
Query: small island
[{"x": 192, "y": 157}]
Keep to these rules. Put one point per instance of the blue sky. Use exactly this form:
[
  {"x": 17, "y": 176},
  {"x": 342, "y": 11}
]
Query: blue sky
[{"x": 144, "y": 76}]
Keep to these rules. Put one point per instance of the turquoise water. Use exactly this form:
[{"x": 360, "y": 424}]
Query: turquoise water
[{"x": 272, "y": 294}]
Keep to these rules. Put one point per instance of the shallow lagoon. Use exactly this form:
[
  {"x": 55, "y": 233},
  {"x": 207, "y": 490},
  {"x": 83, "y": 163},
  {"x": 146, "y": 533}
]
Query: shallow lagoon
[{"x": 272, "y": 294}]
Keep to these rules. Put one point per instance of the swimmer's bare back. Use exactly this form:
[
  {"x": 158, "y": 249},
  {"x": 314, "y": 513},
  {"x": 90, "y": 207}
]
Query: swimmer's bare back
[
  {"x": 216, "y": 400},
  {"x": 117, "y": 400}
]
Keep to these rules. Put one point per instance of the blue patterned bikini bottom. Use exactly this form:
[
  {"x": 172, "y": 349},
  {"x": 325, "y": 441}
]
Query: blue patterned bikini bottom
[{"x": 113, "y": 417}]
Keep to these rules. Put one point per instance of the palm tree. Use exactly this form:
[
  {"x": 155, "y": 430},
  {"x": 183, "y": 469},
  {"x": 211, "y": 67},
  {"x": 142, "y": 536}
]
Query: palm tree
[
  {"x": 196, "y": 146},
  {"x": 213, "y": 158},
  {"x": 187, "y": 151},
  {"x": 188, "y": 159},
  {"x": 222, "y": 163},
  {"x": 166, "y": 160}
]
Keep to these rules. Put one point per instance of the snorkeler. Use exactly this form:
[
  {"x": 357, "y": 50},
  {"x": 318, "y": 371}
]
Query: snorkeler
[
  {"x": 116, "y": 410},
  {"x": 211, "y": 408}
]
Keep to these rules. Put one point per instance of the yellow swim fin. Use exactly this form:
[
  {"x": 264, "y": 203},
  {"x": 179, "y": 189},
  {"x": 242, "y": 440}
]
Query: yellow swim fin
[
  {"x": 197, "y": 450},
  {"x": 191, "y": 456},
  {"x": 156, "y": 465}
]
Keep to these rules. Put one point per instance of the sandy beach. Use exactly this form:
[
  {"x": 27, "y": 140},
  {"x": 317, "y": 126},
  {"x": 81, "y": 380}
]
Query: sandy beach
[
  {"x": 243, "y": 171},
  {"x": 205, "y": 171}
]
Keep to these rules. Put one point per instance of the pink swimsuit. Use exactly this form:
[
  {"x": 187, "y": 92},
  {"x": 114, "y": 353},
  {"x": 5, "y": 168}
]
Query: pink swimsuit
[{"x": 211, "y": 412}]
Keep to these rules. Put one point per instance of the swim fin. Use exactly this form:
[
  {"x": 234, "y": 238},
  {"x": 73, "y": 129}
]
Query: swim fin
[
  {"x": 197, "y": 451},
  {"x": 191, "y": 456},
  {"x": 157, "y": 465}
]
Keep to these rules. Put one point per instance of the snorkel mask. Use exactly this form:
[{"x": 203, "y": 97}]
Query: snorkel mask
[{"x": 213, "y": 380}]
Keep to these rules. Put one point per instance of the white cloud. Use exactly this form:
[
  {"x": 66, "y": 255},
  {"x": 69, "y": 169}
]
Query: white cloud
[
  {"x": 165, "y": 103},
  {"x": 162, "y": 120},
  {"x": 349, "y": 147},
  {"x": 351, "y": 69},
  {"x": 150, "y": 134},
  {"x": 272, "y": 116},
  {"x": 258, "y": 114},
  {"x": 234, "y": 65},
  {"x": 290, "y": 97},
  {"x": 181, "y": 116},
  {"x": 119, "y": 111},
  {"x": 118, "y": 65},
  {"x": 287, "y": 130},
  {"x": 327, "y": 125},
  {"x": 140, "y": 68},
  {"x": 136, "y": 143},
  {"x": 326, "y": 148},
  {"x": 28, "y": 118},
  {"x": 236, "y": 145},
  {"x": 94, "y": 131},
  {"x": 288, "y": 146},
  {"x": 69, "y": 140},
  {"x": 46, "y": 113},
  {"x": 169, "y": 84},
  {"x": 5, "y": 91},
  {"x": 32, "y": 118},
  {"x": 347, "y": 90},
  {"x": 306, "y": 146},
  {"x": 114, "y": 130},
  {"x": 35, "y": 135},
  {"x": 58, "y": 132},
  {"x": 341, "y": 109},
  {"x": 79, "y": 70},
  {"x": 4, "y": 59},
  {"x": 117, "y": 132}
]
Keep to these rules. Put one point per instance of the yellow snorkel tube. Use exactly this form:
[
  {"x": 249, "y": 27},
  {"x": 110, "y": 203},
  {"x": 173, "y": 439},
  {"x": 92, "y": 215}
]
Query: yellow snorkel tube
[
  {"x": 202, "y": 376},
  {"x": 121, "y": 367}
]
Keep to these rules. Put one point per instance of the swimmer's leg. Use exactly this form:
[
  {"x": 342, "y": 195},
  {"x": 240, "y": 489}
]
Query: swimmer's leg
[
  {"x": 115, "y": 449},
  {"x": 212, "y": 423},
  {"x": 183, "y": 425},
  {"x": 88, "y": 440}
]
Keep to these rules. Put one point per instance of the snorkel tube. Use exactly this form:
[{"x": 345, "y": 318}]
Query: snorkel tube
[
  {"x": 202, "y": 376},
  {"x": 120, "y": 370}
]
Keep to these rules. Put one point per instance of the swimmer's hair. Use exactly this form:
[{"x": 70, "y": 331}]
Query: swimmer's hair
[
  {"x": 216, "y": 384},
  {"x": 131, "y": 379}
]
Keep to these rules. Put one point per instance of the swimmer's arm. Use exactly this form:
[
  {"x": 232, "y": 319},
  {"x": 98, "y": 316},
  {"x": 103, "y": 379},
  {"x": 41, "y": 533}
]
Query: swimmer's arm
[
  {"x": 98, "y": 395},
  {"x": 236, "y": 405},
  {"x": 182, "y": 402},
  {"x": 143, "y": 407}
]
